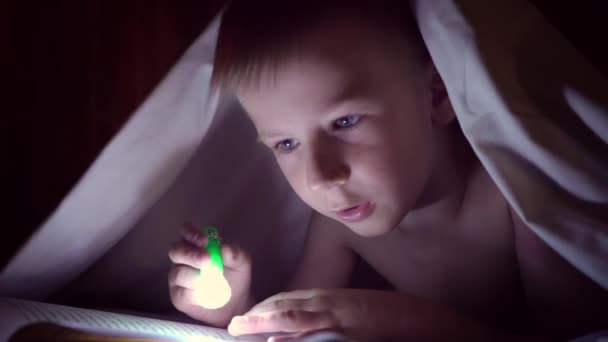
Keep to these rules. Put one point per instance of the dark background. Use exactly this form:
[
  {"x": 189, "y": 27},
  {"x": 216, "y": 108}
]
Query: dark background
[{"x": 73, "y": 72}]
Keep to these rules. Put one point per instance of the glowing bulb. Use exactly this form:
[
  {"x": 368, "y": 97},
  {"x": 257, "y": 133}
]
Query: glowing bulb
[{"x": 213, "y": 290}]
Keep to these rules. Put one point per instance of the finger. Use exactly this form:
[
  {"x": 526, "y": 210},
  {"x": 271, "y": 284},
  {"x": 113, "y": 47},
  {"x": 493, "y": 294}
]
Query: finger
[
  {"x": 183, "y": 253},
  {"x": 235, "y": 258},
  {"x": 297, "y": 294},
  {"x": 182, "y": 298},
  {"x": 315, "y": 304},
  {"x": 281, "y": 321},
  {"x": 184, "y": 276},
  {"x": 193, "y": 234}
]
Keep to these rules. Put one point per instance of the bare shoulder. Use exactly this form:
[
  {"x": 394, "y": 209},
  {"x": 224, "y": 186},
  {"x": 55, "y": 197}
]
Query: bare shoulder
[
  {"x": 562, "y": 301},
  {"x": 482, "y": 192},
  {"x": 485, "y": 210}
]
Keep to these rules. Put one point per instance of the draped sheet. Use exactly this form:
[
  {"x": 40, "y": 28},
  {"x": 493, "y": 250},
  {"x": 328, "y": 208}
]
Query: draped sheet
[
  {"x": 534, "y": 110},
  {"x": 536, "y": 114}
]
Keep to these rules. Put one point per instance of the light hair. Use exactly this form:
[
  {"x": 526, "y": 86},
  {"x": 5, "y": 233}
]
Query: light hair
[{"x": 256, "y": 36}]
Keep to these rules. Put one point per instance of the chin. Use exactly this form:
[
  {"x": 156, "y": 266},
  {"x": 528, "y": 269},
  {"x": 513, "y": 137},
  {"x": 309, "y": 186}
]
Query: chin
[{"x": 371, "y": 229}]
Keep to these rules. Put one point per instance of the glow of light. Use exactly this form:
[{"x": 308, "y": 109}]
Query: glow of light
[{"x": 212, "y": 290}]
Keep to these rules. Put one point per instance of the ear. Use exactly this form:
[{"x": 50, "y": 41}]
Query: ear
[{"x": 441, "y": 109}]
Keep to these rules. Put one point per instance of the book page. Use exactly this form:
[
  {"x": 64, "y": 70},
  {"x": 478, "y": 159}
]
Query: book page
[{"x": 15, "y": 313}]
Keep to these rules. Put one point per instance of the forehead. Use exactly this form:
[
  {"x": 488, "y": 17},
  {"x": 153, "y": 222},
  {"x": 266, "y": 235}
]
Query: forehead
[
  {"x": 334, "y": 64},
  {"x": 302, "y": 88}
]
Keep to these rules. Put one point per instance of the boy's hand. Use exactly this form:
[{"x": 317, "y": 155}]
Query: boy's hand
[
  {"x": 361, "y": 315},
  {"x": 188, "y": 256}
]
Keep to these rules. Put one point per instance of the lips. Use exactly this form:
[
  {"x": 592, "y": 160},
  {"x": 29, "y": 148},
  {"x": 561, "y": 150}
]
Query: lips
[{"x": 356, "y": 213}]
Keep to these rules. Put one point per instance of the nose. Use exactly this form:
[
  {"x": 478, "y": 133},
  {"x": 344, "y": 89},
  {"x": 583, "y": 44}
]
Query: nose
[{"x": 326, "y": 169}]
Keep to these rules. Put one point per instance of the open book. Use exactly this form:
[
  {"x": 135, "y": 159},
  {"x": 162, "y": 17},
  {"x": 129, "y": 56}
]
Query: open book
[{"x": 22, "y": 320}]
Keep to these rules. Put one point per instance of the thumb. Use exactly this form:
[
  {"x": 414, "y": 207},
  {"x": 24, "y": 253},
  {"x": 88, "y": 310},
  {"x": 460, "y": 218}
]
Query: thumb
[{"x": 235, "y": 258}]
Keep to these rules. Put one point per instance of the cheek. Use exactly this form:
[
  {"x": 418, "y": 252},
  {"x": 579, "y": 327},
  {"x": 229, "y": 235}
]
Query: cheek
[
  {"x": 380, "y": 171},
  {"x": 398, "y": 165},
  {"x": 294, "y": 173}
]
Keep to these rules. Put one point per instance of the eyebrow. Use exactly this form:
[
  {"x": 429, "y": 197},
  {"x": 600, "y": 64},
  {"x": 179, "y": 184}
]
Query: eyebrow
[
  {"x": 267, "y": 134},
  {"x": 355, "y": 92}
]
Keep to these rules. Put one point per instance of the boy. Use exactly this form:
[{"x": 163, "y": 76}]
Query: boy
[{"x": 346, "y": 97}]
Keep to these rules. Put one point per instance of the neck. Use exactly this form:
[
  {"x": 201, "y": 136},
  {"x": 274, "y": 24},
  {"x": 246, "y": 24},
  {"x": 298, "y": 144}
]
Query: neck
[{"x": 447, "y": 183}]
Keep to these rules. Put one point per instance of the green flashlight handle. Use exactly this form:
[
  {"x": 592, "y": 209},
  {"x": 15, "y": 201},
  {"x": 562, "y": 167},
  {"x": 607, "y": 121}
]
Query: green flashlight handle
[{"x": 214, "y": 247}]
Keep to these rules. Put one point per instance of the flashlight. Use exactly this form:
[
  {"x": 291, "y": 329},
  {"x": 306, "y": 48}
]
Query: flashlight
[{"x": 212, "y": 290}]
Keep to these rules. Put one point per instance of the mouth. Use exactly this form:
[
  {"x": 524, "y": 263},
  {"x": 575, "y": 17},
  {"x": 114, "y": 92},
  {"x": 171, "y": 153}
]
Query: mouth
[{"x": 355, "y": 213}]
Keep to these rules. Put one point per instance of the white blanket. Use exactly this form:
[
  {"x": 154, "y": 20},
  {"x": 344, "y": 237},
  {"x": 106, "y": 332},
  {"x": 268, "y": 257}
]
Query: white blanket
[{"x": 535, "y": 112}]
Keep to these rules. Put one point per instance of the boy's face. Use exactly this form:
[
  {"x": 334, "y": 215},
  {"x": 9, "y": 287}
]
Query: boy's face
[{"x": 350, "y": 126}]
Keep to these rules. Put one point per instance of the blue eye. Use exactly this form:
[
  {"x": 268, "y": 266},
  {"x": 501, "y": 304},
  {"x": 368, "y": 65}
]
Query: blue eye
[
  {"x": 347, "y": 121},
  {"x": 286, "y": 145}
]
